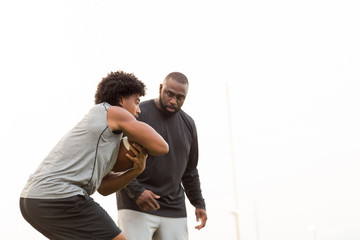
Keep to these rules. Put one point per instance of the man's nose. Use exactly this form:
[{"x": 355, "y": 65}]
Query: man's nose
[{"x": 173, "y": 100}]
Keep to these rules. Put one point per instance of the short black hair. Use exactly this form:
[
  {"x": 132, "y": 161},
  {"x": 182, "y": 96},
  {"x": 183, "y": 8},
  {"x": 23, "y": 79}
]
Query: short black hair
[
  {"x": 117, "y": 85},
  {"x": 177, "y": 76}
]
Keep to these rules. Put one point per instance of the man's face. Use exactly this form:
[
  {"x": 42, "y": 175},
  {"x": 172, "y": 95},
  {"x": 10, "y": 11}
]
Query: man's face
[
  {"x": 131, "y": 104},
  {"x": 172, "y": 96}
]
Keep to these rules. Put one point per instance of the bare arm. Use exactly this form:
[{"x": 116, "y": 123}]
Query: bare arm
[
  {"x": 139, "y": 132},
  {"x": 115, "y": 181}
]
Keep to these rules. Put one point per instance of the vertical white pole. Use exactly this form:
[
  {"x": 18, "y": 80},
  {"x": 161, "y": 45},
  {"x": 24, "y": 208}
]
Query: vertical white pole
[
  {"x": 236, "y": 212},
  {"x": 256, "y": 220},
  {"x": 313, "y": 229}
]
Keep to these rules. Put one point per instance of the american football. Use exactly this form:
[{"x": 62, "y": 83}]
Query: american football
[{"x": 123, "y": 163}]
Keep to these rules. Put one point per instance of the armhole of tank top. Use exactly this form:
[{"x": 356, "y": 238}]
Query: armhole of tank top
[{"x": 106, "y": 105}]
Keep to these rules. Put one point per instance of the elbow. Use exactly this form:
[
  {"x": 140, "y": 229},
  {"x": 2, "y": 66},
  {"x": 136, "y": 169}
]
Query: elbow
[
  {"x": 103, "y": 191},
  {"x": 161, "y": 150},
  {"x": 165, "y": 149}
]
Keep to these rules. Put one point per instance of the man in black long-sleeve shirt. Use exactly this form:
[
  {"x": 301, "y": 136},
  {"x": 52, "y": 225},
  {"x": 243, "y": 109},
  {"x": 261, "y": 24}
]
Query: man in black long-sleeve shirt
[{"x": 152, "y": 206}]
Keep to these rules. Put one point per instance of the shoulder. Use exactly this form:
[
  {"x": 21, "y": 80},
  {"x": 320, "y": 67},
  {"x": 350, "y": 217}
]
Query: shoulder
[
  {"x": 98, "y": 109},
  {"x": 147, "y": 103},
  {"x": 116, "y": 111},
  {"x": 189, "y": 122},
  {"x": 147, "y": 107},
  {"x": 101, "y": 106},
  {"x": 118, "y": 115},
  {"x": 186, "y": 117}
]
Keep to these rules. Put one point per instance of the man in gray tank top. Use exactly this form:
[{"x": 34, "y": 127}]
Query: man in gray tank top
[{"x": 56, "y": 199}]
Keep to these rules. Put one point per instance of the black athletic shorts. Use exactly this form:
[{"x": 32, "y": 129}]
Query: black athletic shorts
[{"x": 78, "y": 217}]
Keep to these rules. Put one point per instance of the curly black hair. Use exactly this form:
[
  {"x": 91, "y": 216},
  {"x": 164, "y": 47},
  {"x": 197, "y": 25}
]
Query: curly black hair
[{"x": 117, "y": 85}]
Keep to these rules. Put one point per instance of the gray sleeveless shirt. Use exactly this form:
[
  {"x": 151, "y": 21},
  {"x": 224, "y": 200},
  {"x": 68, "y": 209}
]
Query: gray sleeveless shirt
[{"x": 80, "y": 160}]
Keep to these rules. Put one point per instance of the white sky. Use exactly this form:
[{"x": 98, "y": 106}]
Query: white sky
[{"x": 293, "y": 73}]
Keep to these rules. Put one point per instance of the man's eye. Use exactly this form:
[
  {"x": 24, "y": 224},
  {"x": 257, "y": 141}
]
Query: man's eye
[{"x": 180, "y": 98}]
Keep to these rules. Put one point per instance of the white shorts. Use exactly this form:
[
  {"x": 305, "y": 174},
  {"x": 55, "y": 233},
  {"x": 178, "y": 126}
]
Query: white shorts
[{"x": 142, "y": 226}]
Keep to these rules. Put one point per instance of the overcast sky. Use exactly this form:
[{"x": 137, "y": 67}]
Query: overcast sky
[{"x": 291, "y": 73}]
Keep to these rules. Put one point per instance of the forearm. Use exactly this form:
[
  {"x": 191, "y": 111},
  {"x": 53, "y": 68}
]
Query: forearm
[
  {"x": 195, "y": 197},
  {"x": 115, "y": 181},
  {"x": 134, "y": 189},
  {"x": 192, "y": 186}
]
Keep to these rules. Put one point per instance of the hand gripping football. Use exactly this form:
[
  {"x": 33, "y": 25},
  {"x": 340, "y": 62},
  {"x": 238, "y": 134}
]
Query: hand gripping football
[{"x": 123, "y": 163}]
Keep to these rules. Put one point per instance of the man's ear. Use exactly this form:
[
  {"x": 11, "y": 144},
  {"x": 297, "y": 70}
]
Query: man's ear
[
  {"x": 160, "y": 88},
  {"x": 121, "y": 102}
]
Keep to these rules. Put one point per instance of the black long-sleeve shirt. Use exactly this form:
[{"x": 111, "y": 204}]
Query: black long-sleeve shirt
[{"x": 168, "y": 175}]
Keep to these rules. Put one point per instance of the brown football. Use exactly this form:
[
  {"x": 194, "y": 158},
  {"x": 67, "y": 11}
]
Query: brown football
[{"x": 123, "y": 163}]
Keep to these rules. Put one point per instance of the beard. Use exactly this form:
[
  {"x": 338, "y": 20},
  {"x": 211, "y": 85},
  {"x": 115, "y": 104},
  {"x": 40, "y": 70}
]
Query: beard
[{"x": 163, "y": 108}]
